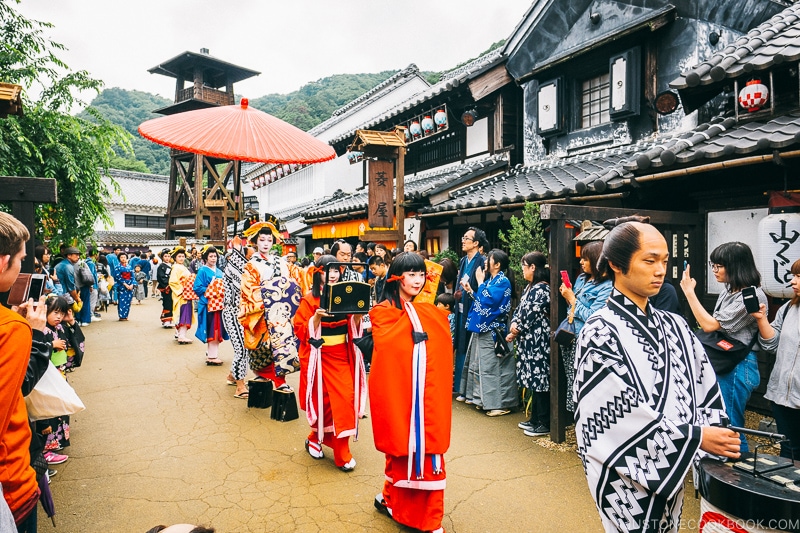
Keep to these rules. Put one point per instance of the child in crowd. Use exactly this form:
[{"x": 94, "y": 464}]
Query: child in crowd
[
  {"x": 141, "y": 279},
  {"x": 446, "y": 301},
  {"x": 56, "y": 429},
  {"x": 104, "y": 295},
  {"x": 378, "y": 268},
  {"x": 75, "y": 340}
]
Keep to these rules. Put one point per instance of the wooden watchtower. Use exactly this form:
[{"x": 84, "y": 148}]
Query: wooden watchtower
[{"x": 204, "y": 192}]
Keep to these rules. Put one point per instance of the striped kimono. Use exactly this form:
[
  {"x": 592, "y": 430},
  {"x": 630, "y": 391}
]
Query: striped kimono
[{"x": 643, "y": 389}]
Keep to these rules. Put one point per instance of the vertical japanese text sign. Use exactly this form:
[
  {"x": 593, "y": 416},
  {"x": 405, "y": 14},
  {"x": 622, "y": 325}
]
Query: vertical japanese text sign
[{"x": 381, "y": 194}]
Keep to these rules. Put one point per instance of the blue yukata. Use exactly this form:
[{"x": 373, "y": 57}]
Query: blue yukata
[{"x": 124, "y": 275}]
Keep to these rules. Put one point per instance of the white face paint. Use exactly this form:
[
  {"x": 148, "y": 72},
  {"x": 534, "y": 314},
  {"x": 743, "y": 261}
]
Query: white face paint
[{"x": 264, "y": 243}]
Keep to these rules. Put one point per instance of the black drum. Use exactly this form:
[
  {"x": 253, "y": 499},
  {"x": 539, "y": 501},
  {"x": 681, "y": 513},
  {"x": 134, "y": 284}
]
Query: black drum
[{"x": 755, "y": 493}]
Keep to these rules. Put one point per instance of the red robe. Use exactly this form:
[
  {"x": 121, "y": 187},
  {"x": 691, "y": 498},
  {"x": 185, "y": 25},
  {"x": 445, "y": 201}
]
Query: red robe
[
  {"x": 416, "y": 501},
  {"x": 340, "y": 379}
]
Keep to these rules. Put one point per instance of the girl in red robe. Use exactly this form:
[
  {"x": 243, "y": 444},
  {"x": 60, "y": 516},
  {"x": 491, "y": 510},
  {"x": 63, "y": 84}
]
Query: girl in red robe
[
  {"x": 411, "y": 380},
  {"x": 332, "y": 377}
]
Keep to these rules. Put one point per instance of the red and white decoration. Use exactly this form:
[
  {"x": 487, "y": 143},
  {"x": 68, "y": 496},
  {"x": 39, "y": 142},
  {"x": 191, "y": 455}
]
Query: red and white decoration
[{"x": 753, "y": 96}]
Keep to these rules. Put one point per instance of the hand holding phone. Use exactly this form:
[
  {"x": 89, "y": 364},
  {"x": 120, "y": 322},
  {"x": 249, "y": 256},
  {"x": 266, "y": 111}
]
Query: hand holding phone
[
  {"x": 750, "y": 299},
  {"x": 565, "y": 279}
]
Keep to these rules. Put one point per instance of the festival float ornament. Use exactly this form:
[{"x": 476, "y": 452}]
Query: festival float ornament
[
  {"x": 753, "y": 96},
  {"x": 427, "y": 125},
  {"x": 440, "y": 118}
]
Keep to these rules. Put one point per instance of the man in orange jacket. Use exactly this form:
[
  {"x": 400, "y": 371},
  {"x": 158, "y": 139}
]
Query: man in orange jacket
[{"x": 18, "y": 479}]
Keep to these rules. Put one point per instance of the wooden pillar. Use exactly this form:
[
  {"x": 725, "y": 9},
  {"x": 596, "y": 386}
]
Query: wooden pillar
[
  {"x": 561, "y": 250},
  {"x": 400, "y": 208},
  {"x": 24, "y": 194}
]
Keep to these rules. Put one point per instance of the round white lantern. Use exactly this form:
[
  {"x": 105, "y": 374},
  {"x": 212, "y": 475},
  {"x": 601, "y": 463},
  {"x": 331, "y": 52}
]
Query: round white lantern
[{"x": 778, "y": 248}]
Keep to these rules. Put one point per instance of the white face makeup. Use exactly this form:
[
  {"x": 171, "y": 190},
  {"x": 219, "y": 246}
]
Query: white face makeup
[{"x": 264, "y": 243}]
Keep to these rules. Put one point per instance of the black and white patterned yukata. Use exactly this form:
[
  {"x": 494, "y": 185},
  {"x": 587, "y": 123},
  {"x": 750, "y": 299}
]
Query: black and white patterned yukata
[
  {"x": 233, "y": 295},
  {"x": 532, "y": 317},
  {"x": 643, "y": 389}
]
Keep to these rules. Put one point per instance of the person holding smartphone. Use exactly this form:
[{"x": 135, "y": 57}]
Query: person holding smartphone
[
  {"x": 592, "y": 289},
  {"x": 733, "y": 265}
]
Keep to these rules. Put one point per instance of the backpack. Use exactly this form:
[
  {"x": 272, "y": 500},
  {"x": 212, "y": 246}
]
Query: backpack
[{"x": 84, "y": 274}]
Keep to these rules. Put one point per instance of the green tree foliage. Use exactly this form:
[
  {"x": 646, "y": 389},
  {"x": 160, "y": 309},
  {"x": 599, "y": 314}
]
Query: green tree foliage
[
  {"x": 447, "y": 252},
  {"x": 129, "y": 109},
  {"x": 526, "y": 235},
  {"x": 49, "y": 142},
  {"x": 316, "y": 101}
]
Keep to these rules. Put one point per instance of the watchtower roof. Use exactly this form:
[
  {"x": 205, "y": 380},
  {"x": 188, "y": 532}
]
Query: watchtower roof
[{"x": 216, "y": 72}]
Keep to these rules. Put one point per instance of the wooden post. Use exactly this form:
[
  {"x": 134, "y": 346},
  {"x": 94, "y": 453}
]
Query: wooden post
[
  {"x": 23, "y": 194},
  {"x": 561, "y": 248},
  {"x": 400, "y": 170}
]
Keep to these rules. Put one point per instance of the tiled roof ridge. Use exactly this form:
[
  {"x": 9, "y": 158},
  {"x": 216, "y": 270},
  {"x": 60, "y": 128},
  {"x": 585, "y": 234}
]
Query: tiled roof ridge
[
  {"x": 472, "y": 65},
  {"x": 362, "y": 100},
  {"x": 116, "y": 173},
  {"x": 716, "y": 66}
]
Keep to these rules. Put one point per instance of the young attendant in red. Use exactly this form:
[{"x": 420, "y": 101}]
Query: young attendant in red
[
  {"x": 332, "y": 377},
  {"x": 411, "y": 380}
]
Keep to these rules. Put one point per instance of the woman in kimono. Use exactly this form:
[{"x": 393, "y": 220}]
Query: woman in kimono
[
  {"x": 530, "y": 326},
  {"x": 590, "y": 292},
  {"x": 209, "y": 323},
  {"x": 162, "y": 278},
  {"x": 412, "y": 360},
  {"x": 489, "y": 381},
  {"x": 182, "y": 310},
  {"x": 332, "y": 377},
  {"x": 266, "y": 275},
  {"x": 125, "y": 283},
  {"x": 234, "y": 266},
  {"x": 645, "y": 393}
]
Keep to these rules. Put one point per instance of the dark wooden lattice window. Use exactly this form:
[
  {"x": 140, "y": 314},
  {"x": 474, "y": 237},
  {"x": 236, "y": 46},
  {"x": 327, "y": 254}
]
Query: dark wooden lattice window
[{"x": 145, "y": 221}]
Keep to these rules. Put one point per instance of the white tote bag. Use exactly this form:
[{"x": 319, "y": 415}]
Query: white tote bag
[{"x": 52, "y": 397}]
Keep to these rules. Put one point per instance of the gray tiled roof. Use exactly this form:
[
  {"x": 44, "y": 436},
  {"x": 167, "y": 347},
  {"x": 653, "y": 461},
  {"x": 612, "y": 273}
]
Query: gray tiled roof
[
  {"x": 415, "y": 187},
  {"x": 775, "y": 41},
  {"x": 449, "y": 81},
  {"x": 105, "y": 238},
  {"x": 549, "y": 179},
  {"x": 138, "y": 189},
  {"x": 720, "y": 139}
]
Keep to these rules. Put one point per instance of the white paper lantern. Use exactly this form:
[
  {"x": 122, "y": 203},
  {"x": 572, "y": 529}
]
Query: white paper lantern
[
  {"x": 779, "y": 247},
  {"x": 753, "y": 96}
]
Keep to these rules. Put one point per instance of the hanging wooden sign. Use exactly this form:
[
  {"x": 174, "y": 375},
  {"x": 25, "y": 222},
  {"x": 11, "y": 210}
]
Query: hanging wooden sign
[{"x": 381, "y": 194}]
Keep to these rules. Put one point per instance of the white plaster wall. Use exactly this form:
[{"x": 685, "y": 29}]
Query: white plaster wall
[
  {"x": 727, "y": 226},
  {"x": 118, "y": 220},
  {"x": 478, "y": 137}
]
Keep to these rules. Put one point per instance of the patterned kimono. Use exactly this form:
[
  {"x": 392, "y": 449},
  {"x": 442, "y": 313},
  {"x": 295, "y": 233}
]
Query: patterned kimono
[
  {"x": 182, "y": 311},
  {"x": 123, "y": 275},
  {"x": 233, "y": 297},
  {"x": 266, "y": 279},
  {"x": 487, "y": 380},
  {"x": 643, "y": 389},
  {"x": 532, "y": 317},
  {"x": 209, "y": 323}
]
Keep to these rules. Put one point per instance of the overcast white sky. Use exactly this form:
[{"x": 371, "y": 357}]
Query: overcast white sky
[{"x": 290, "y": 42}]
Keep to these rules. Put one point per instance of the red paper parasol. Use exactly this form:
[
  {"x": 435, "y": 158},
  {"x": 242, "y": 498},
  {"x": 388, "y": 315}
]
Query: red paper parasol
[{"x": 237, "y": 132}]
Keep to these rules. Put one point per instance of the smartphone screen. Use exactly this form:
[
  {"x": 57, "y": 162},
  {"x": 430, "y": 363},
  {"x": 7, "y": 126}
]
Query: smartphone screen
[
  {"x": 565, "y": 279},
  {"x": 750, "y": 299},
  {"x": 37, "y": 287}
]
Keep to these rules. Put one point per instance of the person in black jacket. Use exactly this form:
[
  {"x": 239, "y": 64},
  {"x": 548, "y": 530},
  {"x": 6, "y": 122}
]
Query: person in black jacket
[{"x": 162, "y": 277}]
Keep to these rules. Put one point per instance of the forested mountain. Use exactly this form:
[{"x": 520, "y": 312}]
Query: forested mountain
[
  {"x": 129, "y": 109},
  {"x": 310, "y": 105}
]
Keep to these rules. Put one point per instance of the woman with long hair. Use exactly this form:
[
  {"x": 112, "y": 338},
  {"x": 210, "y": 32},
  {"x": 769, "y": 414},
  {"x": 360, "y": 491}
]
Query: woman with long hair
[
  {"x": 530, "y": 326},
  {"x": 210, "y": 328},
  {"x": 733, "y": 265},
  {"x": 589, "y": 293},
  {"x": 332, "y": 379},
  {"x": 182, "y": 309},
  {"x": 489, "y": 379},
  {"x": 384, "y": 253},
  {"x": 411, "y": 380},
  {"x": 782, "y": 337},
  {"x": 123, "y": 276}
]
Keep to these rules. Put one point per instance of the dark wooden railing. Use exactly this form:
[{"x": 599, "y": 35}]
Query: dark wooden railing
[{"x": 206, "y": 94}]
